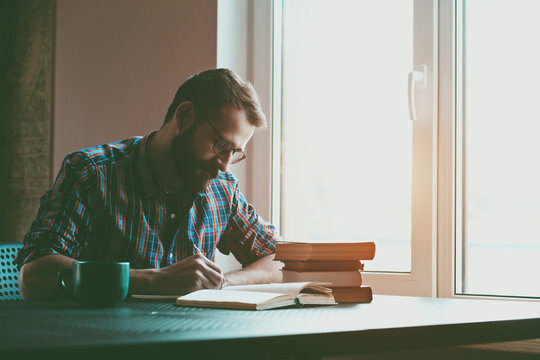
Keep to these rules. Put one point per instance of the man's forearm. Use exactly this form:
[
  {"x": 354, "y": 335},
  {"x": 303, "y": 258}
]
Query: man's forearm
[
  {"x": 143, "y": 281},
  {"x": 37, "y": 279},
  {"x": 264, "y": 270}
]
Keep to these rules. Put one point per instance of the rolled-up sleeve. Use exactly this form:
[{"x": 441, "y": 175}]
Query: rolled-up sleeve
[
  {"x": 62, "y": 225},
  {"x": 247, "y": 235}
]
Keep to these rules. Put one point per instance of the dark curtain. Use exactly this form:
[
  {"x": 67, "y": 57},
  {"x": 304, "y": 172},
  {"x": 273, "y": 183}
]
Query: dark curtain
[{"x": 26, "y": 111}]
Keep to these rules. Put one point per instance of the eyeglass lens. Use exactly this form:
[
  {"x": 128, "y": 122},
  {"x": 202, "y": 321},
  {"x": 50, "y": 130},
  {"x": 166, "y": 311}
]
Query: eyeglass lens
[{"x": 223, "y": 147}]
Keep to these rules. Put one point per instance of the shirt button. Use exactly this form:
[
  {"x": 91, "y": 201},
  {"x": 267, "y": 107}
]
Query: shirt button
[{"x": 173, "y": 216}]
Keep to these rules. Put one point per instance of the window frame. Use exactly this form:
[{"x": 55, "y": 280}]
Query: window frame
[
  {"x": 447, "y": 150},
  {"x": 421, "y": 281},
  {"x": 244, "y": 45},
  {"x": 450, "y": 150},
  {"x": 434, "y": 246}
]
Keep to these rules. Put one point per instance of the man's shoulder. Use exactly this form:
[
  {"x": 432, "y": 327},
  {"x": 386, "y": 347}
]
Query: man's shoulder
[
  {"x": 115, "y": 153},
  {"x": 224, "y": 182}
]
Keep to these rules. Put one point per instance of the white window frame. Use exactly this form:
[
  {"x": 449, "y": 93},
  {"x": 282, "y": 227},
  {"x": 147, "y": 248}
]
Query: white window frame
[
  {"x": 244, "y": 45},
  {"x": 421, "y": 281},
  {"x": 447, "y": 148},
  {"x": 433, "y": 241},
  {"x": 450, "y": 148}
]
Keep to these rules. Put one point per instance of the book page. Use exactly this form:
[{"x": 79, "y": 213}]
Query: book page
[
  {"x": 154, "y": 297},
  {"x": 292, "y": 288},
  {"x": 244, "y": 297}
]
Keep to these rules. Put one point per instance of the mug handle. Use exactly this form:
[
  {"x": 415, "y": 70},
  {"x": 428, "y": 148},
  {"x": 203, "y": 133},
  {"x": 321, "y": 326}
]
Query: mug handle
[{"x": 60, "y": 279}]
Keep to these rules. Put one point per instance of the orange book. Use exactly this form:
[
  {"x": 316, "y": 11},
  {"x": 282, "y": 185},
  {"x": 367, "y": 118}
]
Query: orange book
[
  {"x": 361, "y": 294},
  {"x": 334, "y": 278},
  {"x": 323, "y": 265},
  {"x": 302, "y": 251}
]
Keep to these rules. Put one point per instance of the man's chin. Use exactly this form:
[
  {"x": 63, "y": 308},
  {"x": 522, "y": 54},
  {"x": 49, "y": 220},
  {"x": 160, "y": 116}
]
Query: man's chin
[
  {"x": 208, "y": 174},
  {"x": 203, "y": 179},
  {"x": 207, "y": 178}
]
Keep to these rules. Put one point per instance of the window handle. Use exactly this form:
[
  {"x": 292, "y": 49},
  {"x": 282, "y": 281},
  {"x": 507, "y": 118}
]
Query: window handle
[{"x": 417, "y": 78}]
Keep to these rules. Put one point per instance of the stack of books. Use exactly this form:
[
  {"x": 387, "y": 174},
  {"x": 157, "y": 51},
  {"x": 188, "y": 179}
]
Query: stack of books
[{"x": 338, "y": 264}]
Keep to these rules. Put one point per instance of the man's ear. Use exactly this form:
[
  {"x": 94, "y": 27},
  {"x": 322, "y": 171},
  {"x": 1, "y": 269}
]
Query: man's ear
[{"x": 184, "y": 116}]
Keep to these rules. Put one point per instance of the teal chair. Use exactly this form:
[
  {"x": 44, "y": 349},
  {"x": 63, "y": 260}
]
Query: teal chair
[{"x": 9, "y": 275}]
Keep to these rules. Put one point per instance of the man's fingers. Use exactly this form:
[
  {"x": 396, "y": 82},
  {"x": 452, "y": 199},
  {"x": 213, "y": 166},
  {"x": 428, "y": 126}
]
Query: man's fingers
[
  {"x": 209, "y": 271},
  {"x": 196, "y": 259},
  {"x": 208, "y": 278},
  {"x": 206, "y": 281},
  {"x": 214, "y": 276},
  {"x": 193, "y": 273},
  {"x": 211, "y": 264}
]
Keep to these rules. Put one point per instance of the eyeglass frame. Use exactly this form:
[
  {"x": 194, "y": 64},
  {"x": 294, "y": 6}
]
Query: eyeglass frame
[{"x": 222, "y": 139}]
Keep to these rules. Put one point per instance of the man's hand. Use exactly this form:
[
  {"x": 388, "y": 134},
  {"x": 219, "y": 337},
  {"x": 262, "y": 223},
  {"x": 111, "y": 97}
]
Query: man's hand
[
  {"x": 193, "y": 273},
  {"x": 38, "y": 278}
]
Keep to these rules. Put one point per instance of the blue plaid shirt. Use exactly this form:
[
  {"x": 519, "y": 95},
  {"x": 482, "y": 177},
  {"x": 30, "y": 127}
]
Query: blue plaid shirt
[{"x": 105, "y": 205}]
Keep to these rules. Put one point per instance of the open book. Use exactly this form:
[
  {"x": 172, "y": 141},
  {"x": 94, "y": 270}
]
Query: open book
[
  {"x": 260, "y": 296},
  {"x": 254, "y": 297}
]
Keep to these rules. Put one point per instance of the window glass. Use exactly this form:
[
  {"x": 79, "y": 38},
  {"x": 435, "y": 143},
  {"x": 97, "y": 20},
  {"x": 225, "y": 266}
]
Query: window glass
[
  {"x": 346, "y": 135},
  {"x": 501, "y": 148}
]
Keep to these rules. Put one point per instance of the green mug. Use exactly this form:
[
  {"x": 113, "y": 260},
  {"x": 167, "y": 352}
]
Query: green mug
[{"x": 97, "y": 283}]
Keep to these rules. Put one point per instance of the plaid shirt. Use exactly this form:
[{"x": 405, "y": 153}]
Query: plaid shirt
[{"x": 106, "y": 206}]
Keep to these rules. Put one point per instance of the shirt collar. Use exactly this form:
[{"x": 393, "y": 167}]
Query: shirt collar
[{"x": 149, "y": 184}]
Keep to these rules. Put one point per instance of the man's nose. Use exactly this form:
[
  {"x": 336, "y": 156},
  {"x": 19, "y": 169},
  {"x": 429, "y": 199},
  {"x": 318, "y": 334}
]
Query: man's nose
[{"x": 223, "y": 161}]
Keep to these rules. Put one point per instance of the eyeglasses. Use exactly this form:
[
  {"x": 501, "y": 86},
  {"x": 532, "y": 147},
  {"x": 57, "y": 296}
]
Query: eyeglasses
[{"x": 224, "y": 146}]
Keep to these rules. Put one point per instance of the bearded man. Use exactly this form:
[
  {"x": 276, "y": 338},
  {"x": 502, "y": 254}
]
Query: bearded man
[{"x": 163, "y": 202}]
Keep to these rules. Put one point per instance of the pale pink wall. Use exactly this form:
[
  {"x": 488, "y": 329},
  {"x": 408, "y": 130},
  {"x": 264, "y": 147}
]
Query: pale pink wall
[{"x": 119, "y": 62}]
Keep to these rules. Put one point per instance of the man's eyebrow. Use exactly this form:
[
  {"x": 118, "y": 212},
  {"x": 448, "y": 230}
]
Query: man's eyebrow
[
  {"x": 232, "y": 143},
  {"x": 221, "y": 137}
]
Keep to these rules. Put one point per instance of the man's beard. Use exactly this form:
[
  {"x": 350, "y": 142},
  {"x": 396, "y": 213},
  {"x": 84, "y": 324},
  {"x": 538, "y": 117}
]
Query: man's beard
[{"x": 194, "y": 174}]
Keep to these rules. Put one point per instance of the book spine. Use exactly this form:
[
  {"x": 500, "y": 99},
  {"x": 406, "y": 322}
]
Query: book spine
[
  {"x": 338, "y": 265},
  {"x": 362, "y": 294},
  {"x": 335, "y": 278}
]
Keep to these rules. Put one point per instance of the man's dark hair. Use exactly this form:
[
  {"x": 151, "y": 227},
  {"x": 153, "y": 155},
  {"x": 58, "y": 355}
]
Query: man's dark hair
[{"x": 210, "y": 90}]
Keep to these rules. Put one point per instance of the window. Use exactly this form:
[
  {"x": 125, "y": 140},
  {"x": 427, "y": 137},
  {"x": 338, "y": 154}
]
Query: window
[
  {"x": 450, "y": 198},
  {"x": 346, "y": 135},
  {"x": 354, "y": 165},
  {"x": 499, "y": 77},
  {"x": 459, "y": 182}
]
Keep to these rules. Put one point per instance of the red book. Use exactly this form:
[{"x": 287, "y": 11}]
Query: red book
[
  {"x": 302, "y": 251},
  {"x": 333, "y": 278},
  {"x": 323, "y": 265},
  {"x": 361, "y": 294}
]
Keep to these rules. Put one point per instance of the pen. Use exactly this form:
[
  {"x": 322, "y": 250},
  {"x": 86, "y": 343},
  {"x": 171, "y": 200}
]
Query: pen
[{"x": 197, "y": 251}]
